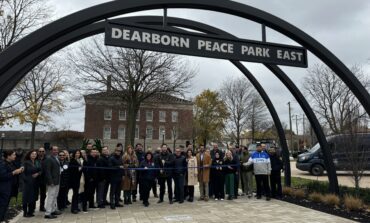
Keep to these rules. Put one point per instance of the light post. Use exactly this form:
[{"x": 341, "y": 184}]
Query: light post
[
  {"x": 163, "y": 133},
  {"x": 2, "y": 143}
]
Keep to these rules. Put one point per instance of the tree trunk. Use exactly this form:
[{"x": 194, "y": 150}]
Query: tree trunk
[
  {"x": 132, "y": 110},
  {"x": 33, "y": 131}
]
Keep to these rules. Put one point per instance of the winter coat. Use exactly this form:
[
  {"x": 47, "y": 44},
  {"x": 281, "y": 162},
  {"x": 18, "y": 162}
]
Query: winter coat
[
  {"x": 30, "y": 184},
  {"x": 192, "y": 173},
  {"x": 217, "y": 168},
  {"x": 261, "y": 163},
  {"x": 103, "y": 173},
  {"x": 116, "y": 172},
  {"x": 75, "y": 172},
  {"x": 89, "y": 170},
  {"x": 180, "y": 165},
  {"x": 52, "y": 171},
  {"x": 233, "y": 164},
  {"x": 150, "y": 173},
  {"x": 276, "y": 164},
  {"x": 6, "y": 181},
  {"x": 165, "y": 160},
  {"x": 64, "y": 174},
  {"x": 204, "y": 167},
  {"x": 130, "y": 178}
]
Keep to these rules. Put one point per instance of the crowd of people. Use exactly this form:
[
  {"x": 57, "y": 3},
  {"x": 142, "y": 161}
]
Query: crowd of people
[{"x": 98, "y": 177}]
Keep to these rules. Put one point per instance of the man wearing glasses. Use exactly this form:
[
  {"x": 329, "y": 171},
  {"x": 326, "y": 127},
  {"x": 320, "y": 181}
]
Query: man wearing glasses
[{"x": 42, "y": 182}]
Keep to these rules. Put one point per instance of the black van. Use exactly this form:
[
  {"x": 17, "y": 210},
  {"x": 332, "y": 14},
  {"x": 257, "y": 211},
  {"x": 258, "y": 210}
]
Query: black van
[{"x": 344, "y": 148}]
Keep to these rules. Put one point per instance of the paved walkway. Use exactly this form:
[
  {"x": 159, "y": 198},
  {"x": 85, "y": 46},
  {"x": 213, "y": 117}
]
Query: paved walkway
[{"x": 240, "y": 210}]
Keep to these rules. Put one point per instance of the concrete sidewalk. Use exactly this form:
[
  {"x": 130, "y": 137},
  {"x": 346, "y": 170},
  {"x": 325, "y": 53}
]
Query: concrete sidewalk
[{"x": 239, "y": 210}]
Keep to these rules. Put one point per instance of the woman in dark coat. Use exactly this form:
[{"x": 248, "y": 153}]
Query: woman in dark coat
[
  {"x": 32, "y": 170},
  {"x": 7, "y": 174},
  {"x": 75, "y": 172},
  {"x": 218, "y": 177},
  {"x": 147, "y": 177}
]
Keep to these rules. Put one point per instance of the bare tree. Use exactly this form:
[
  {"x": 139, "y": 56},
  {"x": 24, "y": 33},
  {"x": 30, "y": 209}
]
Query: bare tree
[
  {"x": 39, "y": 94},
  {"x": 237, "y": 94},
  {"x": 332, "y": 100},
  {"x": 258, "y": 118},
  {"x": 136, "y": 75},
  {"x": 19, "y": 17}
]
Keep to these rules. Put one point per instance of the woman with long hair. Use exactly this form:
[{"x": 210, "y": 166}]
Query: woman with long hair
[
  {"x": 75, "y": 168},
  {"x": 8, "y": 173},
  {"x": 129, "y": 179},
  {"x": 32, "y": 170},
  {"x": 191, "y": 178},
  {"x": 230, "y": 169}
]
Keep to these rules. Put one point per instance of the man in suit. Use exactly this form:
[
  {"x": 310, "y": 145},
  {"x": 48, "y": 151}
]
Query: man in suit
[{"x": 52, "y": 177}]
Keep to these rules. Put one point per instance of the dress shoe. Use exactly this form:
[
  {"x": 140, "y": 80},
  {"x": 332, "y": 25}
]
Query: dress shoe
[
  {"x": 74, "y": 212},
  {"x": 180, "y": 202},
  {"x": 112, "y": 207},
  {"x": 268, "y": 198},
  {"x": 160, "y": 201},
  {"x": 56, "y": 213},
  {"x": 50, "y": 216}
]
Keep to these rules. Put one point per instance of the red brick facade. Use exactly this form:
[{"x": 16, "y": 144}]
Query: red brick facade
[{"x": 95, "y": 121}]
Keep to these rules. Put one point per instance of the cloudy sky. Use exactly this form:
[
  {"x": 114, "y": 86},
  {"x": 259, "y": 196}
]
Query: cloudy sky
[{"x": 340, "y": 25}]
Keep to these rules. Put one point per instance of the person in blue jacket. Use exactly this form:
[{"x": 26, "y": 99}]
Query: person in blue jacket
[
  {"x": 147, "y": 176},
  {"x": 8, "y": 173}
]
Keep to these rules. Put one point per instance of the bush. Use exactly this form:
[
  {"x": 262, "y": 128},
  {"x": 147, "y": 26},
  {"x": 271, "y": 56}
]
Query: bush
[
  {"x": 352, "y": 203},
  {"x": 299, "y": 193},
  {"x": 287, "y": 190},
  {"x": 331, "y": 199},
  {"x": 316, "y": 197}
]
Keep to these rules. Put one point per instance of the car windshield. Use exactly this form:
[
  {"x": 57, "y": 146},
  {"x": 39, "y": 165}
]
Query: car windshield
[{"x": 314, "y": 148}]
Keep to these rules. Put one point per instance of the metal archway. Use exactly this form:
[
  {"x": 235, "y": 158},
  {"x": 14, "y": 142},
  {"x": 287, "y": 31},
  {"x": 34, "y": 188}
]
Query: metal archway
[{"x": 67, "y": 24}]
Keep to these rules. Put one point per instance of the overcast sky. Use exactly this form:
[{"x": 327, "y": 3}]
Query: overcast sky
[{"x": 340, "y": 25}]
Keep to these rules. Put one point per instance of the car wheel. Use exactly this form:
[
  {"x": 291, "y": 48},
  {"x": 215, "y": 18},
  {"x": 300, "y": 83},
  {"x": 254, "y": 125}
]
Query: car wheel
[{"x": 317, "y": 170}]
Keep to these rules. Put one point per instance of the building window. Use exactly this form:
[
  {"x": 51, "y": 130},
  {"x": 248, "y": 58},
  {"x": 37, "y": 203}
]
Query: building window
[
  {"x": 122, "y": 115},
  {"x": 149, "y": 116},
  {"x": 149, "y": 132},
  {"x": 138, "y": 115},
  {"x": 162, "y": 133},
  {"x": 107, "y": 132},
  {"x": 175, "y": 115},
  {"x": 162, "y": 116},
  {"x": 121, "y": 132},
  {"x": 137, "y": 132},
  {"x": 107, "y": 114}
]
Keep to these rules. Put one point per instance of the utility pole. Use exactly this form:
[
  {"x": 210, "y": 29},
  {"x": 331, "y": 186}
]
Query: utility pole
[
  {"x": 304, "y": 133},
  {"x": 290, "y": 128}
]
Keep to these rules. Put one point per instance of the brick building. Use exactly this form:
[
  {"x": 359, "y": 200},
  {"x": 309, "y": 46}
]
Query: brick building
[{"x": 160, "y": 118}]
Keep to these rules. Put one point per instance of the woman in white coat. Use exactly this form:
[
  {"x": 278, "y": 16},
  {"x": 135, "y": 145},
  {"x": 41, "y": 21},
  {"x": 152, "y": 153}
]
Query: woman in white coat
[{"x": 191, "y": 178}]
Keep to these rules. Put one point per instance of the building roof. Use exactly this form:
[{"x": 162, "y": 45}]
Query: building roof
[{"x": 156, "y": 98}]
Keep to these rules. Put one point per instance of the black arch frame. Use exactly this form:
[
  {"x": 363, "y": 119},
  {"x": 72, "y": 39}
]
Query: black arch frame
[{"x": 77, "y": 20}]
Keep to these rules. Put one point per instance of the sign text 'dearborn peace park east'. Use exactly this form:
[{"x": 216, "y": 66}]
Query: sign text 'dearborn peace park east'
[{"x": 131, "y": 36}]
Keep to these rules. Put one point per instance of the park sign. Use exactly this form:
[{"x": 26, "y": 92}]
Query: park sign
[{"x": 196, "y": 44}]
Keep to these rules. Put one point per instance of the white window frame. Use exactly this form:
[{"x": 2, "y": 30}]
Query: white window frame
[
  {"x": 177, "y": 116},
  {"x": 146, "y": 116},
  {"x": 149, "y": 136},
  {"x": 118, "y": 132},
  {"x": 137, "y": 130},
  {"x": 107, "y": 114},
  {"x": 160, "y": 135},
  {"x": 119, "y": 115},
  {"x": 138, "y": 115},
  {"x": 162, "y": 120},
  {"x": 104, "y": 132}
]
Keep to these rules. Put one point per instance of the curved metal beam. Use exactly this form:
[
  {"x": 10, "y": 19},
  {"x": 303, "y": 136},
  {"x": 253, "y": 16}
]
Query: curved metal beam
[
  {"x": 32, "y": 60},
  {"x": 90, "y": 15}
]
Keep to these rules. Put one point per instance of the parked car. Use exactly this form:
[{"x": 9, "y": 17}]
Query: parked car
[{"x": 347, "y": 150}]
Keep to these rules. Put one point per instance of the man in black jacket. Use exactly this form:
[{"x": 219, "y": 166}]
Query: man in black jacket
[
  {"x": 90, "y": 173},
  {"x": 42, "y": 182},
  {"x": 116, "y": 165},
  {"x": 102, "y": 176},
  {"x": 275, "y": 177},
  {"x": 179, "y": 175},
  {"x": 52, "y": 176},
  {"x": 165, "y": 160}
]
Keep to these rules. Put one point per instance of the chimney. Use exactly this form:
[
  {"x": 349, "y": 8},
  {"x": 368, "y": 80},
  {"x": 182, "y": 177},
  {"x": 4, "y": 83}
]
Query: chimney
[{"x": 109, "y": 83}]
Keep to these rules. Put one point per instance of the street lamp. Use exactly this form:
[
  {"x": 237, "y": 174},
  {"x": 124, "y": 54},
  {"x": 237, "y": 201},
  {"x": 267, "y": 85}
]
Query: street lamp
[
  {"x": 2, "y": 143},
  {"x": 163, "y": 133}
]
